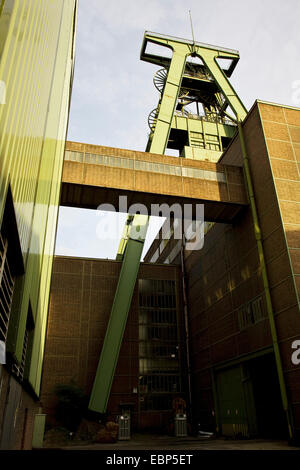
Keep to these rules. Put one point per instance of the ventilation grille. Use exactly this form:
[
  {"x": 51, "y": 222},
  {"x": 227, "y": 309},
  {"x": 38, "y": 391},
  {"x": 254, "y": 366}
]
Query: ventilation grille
[
  {"x": 19, "y": 369},
  {"x": 6, "y": 289}
]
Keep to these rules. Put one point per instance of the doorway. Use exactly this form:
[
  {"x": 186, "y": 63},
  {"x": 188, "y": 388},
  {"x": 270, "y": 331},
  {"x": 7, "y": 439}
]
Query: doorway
[{"x": 271, "y": 420}]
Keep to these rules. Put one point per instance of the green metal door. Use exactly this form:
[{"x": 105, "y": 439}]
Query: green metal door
[{"x": 236, "y": 412}]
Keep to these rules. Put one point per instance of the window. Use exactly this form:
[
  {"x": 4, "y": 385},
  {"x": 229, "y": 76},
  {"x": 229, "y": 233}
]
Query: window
[
  {"x": 159, "y": 362},
  {"x": 140, "y": 165}
]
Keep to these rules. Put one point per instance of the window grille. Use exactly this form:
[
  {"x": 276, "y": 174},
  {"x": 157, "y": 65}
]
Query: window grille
[
  {"x": 156, "y": 402},
  {"x": 19, "y": 369},
  {"x": 159, "y": 365},
  {"x": 6, "y": 289},
  {"x": 251, "y": 312},
  {"x": 258, "y": 309}
]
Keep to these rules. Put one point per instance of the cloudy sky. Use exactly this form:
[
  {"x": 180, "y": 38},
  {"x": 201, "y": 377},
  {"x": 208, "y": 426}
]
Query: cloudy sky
[{"x": 113, "y": 92}]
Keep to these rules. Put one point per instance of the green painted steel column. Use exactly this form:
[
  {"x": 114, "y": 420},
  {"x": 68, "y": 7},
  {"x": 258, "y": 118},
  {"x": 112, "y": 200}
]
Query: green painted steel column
[
  {"x": 168, "y": 102},
  {"x": 118, "y": 317},
  {"x": 209, "y": 58}
]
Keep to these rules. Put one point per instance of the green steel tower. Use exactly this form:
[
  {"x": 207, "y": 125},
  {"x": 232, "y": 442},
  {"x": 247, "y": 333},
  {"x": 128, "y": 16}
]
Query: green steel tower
[
  {"x": 196, "y": 115},
  {"x": 198, "y": 106}
]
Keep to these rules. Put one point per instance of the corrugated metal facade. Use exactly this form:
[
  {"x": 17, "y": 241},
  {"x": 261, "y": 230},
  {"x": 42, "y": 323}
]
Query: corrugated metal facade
[{"x": 36, "y": 70}]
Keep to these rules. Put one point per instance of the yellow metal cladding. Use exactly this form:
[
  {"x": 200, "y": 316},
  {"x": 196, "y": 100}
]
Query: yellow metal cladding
[{"x": 36, "y": 68}]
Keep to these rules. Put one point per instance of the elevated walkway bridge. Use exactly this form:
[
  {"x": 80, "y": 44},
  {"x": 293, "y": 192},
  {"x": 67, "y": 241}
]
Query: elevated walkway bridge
[{"x": 93, "y": 175}]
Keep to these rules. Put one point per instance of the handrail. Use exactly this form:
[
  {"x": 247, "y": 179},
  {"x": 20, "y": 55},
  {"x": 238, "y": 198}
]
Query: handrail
[{"x": 215, "y": 119}]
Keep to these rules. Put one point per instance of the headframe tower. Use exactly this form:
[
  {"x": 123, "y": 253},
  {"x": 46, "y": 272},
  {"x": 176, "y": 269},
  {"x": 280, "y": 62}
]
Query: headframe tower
[{"x": 196, "y": 115}]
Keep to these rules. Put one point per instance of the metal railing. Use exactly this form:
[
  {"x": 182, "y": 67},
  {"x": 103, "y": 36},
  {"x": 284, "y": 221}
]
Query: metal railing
[{"x": 215, "y": 119}]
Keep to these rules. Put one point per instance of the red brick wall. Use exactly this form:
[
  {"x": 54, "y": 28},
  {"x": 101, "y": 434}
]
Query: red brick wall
[
  {"x": 82, "y": 293},
  {"x": 226, "y": 273}
]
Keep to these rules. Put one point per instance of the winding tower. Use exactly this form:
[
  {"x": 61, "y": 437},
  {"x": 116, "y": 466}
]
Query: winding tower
[{"x": 196, "y": 115}]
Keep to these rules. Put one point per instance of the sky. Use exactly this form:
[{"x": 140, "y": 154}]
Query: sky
[{"x": 113, "y": 91}]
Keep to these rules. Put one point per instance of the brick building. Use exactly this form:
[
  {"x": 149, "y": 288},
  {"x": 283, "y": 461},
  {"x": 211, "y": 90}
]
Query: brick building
[
  {"x": 239, "y": 385},
  {"x": 150, "y": 372}
]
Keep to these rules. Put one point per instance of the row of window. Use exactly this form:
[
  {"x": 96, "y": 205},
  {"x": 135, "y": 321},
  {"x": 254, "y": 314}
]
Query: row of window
[
  {"x": 127, "y": 163},
  {"x": 204, "y": 174},
  {"x": 159, "y": 366}
]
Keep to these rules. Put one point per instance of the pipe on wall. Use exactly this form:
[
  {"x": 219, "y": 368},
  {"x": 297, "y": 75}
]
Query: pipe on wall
[{"x": 258, "y": 236}]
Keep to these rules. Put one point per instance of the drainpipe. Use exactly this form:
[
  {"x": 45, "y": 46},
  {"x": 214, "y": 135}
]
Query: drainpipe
[
  {"x": 263, "y": 268},
  {"x": 186, "y": 323}
]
